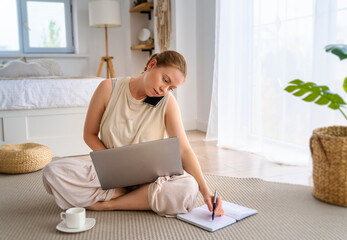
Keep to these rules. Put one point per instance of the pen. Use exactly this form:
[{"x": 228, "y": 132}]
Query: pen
[{"x": 214, "y": 203}]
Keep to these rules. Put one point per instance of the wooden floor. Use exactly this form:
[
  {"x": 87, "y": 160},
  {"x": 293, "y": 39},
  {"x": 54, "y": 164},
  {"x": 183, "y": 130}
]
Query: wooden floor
[{"x": 225, "y": 162}]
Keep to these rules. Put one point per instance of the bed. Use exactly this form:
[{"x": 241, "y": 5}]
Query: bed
[{"x": 46, "y": 110}]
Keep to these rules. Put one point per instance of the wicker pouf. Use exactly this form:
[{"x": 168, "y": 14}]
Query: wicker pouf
[
  {"x": 329, "y": 155},
  {"x": 23, "y": 158}
]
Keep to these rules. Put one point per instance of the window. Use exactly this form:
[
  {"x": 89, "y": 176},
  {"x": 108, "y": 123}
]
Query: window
[
  {"x": 36, "y": 26},
  {"x": 289, "y": 41},
  {"x": 261, "y": 45}
]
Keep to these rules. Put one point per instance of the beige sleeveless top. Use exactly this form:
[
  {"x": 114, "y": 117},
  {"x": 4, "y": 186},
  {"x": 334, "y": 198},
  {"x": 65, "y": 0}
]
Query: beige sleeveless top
[{"x": 127, "y": 120}]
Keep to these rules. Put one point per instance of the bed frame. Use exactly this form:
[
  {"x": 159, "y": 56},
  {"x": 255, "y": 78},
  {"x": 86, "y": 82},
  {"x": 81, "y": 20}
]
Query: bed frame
[{"x": 61, "y": 129}]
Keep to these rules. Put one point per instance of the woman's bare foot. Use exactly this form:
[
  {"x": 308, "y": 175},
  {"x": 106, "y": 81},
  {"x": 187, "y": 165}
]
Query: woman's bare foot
[
  {"x": 99, "y": 206},
  {"x": 129, "y": 200}
]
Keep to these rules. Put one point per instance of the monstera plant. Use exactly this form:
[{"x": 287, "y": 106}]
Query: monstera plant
[
  {"x": 320, "y": 94},
  {"x": 328, "y": 145}
]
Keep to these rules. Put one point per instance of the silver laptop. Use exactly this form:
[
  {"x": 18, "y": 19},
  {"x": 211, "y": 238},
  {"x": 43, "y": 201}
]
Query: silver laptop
[{"x": 137, "y": 163}]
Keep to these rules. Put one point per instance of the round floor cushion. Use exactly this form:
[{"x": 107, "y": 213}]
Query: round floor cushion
[{"x": 23, "y": 158}]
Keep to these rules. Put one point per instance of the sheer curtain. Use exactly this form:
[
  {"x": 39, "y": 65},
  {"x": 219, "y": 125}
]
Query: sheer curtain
[{"x": 261, "y": 45}]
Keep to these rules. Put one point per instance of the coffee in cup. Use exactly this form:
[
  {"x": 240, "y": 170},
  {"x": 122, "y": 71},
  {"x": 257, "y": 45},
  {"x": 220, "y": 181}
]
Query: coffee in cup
[{"x": 74, "y": 217}]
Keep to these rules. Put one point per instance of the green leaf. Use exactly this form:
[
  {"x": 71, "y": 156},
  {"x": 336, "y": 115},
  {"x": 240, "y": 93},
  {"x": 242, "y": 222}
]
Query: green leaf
[
  {"x": 339, "y": 50},
  {"x": 323, "y": 88},
  {"x": 325, "y": 96},
  {"x": 345, "y": 85},
  {"x": 310, "y": 84},
  {"x": 300, "y": 92},
  {"x": 334, "y": 106},
  {"x": 334, "y": 97},
  {"x": 318, "y": 89},
  {"x": 291, "y": 88},
  {"x": 322, "y": 101},
  {"x": 310, "y": 98}
]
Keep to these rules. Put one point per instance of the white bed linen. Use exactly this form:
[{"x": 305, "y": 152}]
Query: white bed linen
[{"x": 46, "y": 93}]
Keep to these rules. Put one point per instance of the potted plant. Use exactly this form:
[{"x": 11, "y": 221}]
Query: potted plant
[{"x": 328, "y": 145}]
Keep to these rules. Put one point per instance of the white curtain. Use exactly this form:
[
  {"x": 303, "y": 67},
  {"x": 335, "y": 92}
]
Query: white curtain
[{"x": 261, "y": 45}]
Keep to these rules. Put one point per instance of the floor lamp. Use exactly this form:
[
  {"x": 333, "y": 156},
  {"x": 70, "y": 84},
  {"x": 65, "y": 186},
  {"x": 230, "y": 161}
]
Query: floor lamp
[{"x": 105, "y": 14}]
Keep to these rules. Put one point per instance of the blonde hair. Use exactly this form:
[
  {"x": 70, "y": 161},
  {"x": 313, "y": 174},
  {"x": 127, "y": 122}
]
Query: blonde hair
[{"x": 169, "y": 59}]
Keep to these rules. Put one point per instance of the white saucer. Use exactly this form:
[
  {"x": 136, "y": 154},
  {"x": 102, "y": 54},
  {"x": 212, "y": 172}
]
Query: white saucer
[{"x": 90, "y": 222}]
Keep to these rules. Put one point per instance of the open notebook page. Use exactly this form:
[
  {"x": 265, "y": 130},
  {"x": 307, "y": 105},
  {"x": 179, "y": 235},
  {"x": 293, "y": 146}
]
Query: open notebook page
[
  {"x": 236, "y": 211},
  {"x": 202, "y": 217}
]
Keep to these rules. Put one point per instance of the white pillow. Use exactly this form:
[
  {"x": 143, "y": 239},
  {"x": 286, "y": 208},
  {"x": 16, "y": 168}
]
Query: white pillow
[
  {"x": 18, "y": 68},
  {"x": 51, "y": 65}
]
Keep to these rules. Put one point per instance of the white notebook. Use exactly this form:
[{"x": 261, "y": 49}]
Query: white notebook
[{"x": 202, "y": 217}]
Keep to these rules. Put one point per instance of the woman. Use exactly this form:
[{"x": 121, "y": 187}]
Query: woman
[{"x": 119, "y": 112}]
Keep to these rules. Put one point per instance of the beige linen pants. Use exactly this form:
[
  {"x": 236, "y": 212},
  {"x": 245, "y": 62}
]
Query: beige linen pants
[{"x": 73, "y": 183}]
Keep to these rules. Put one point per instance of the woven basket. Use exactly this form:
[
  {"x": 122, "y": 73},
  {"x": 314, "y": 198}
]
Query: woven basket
[
  {"x": 329, "y": 154},
  {"x": 23, "y": 158}
]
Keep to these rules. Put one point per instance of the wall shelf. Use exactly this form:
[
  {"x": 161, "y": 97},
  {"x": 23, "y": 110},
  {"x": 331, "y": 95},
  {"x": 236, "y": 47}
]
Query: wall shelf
[
  {"x": 146, "y": 8},
  {"x": 144, "y": 48}
]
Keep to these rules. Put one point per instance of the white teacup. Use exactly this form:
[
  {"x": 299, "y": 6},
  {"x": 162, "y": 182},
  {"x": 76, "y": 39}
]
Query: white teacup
[{"x": 74, "y": 217}]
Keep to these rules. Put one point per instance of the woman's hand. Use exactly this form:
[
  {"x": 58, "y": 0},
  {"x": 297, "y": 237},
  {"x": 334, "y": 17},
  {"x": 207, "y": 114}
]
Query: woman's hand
[{"x": 208, "y": 199}]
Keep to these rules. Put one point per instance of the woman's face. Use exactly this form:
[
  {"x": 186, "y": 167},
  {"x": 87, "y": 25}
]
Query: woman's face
[{"x": 159, "y": 81}]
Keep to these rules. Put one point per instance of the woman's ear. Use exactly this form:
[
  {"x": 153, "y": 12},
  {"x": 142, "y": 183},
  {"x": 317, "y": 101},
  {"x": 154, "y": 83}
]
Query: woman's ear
[{"x": 151, "y": 64}]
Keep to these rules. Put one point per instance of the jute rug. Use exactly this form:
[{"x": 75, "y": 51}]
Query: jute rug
[{"x": 285, "y": 212}]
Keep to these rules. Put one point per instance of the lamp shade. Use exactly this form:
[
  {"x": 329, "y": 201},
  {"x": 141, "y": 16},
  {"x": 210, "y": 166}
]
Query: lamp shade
[{"x": 104, "y": 13}]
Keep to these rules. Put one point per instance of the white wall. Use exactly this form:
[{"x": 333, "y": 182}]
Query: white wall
[
  {"x": 184, "y": 41},
  {"x": 205, "y": 35},
  {"x": 118, "y": 41},
  {"x": 193, "y": 35}
]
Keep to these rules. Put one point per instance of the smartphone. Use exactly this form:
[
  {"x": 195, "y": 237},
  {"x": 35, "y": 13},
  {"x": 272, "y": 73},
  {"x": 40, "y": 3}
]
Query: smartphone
[{"x": 153, "y": 100}]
